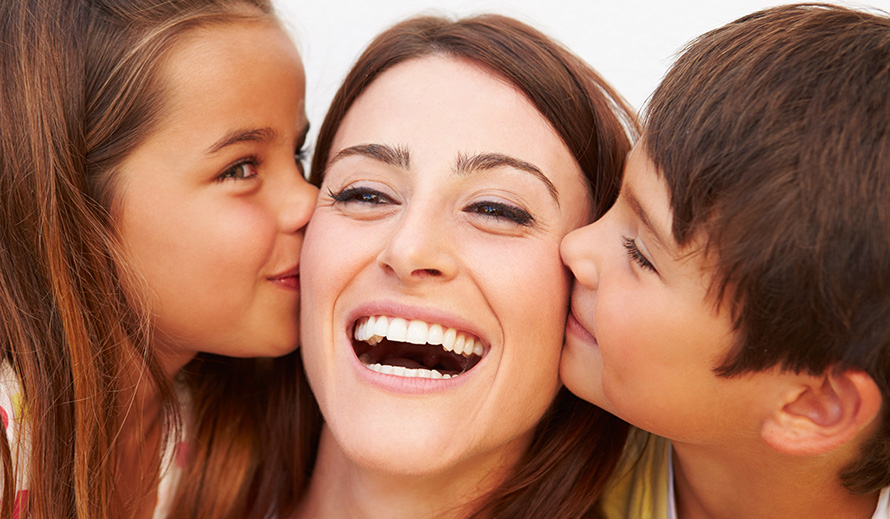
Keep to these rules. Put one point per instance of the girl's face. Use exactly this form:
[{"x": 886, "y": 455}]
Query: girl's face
[
  {"x": 211, "y": 207},
  {"x": 435, "y": 299}
]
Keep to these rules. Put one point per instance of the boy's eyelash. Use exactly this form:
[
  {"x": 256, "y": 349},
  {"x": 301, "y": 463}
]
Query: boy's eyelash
[
  {"x": 501, "y": 211},
  {"x": 634, "y": 252}
]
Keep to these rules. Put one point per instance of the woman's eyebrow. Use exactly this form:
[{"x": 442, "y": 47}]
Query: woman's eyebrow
[
  {"x": 395, "y": 156},
  {"x": 483, "y": 161}
]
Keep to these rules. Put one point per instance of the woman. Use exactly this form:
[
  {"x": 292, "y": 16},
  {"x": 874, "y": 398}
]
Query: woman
[
  {"x": 155, "y": 206},
  {"x": 453, "y": 160}
]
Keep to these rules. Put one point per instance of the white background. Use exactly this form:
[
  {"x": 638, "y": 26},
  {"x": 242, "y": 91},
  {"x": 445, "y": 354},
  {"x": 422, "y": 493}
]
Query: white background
[{"x": 630, "y": 42}]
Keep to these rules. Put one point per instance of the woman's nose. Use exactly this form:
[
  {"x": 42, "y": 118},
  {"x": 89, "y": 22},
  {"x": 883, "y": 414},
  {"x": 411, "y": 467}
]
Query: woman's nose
[{"x": 420, "y": 247}]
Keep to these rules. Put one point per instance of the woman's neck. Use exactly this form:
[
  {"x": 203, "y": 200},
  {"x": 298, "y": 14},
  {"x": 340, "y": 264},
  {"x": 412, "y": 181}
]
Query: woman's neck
[{"x": 342, "y": 489}]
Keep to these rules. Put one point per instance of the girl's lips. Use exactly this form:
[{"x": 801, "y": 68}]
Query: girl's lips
[
  {"x": 574, "y": 326},
  {"x": 289, "y": 279}
]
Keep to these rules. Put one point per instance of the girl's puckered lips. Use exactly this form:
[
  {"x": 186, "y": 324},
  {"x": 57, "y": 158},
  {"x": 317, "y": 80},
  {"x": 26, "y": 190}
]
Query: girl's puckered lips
[
  {"x": 289, "y": 278},
  {"x": 576, "y": 327}
]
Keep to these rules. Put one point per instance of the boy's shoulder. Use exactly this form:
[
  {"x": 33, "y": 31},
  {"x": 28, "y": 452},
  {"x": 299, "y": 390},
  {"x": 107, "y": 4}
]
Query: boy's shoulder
[{"x": 640, "y": 486}]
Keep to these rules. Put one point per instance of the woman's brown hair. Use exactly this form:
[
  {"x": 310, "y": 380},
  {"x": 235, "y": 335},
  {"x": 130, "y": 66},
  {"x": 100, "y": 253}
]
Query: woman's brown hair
[
  {"x": 576, "y": 445},
  {"x": 81, "y": 85}
]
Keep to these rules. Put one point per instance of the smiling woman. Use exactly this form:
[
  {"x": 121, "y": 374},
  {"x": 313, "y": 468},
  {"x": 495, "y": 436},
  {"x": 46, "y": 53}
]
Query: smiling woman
[{"x": 434, "y": 296}]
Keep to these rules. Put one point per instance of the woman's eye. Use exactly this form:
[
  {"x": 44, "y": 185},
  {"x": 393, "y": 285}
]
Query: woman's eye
[
  {"x": 634, "y": 253},
  {"x": 240, "y": 171},
  {"x": 502, "y": 211},
  {"x": 360, "y": 195}
]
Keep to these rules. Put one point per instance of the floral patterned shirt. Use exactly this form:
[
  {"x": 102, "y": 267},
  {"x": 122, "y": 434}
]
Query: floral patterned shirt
[{"x": 13, "y": 413}]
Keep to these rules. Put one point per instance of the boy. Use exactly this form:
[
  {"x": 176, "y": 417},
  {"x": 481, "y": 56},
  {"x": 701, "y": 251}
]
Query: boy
[{"x": 736, "y": 299}]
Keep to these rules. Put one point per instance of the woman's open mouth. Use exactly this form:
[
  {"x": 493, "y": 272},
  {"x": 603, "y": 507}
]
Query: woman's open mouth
[{"x": 415, "y": 349}]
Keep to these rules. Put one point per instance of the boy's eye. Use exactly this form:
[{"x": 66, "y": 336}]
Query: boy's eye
[
  {"x": 501, "y": 211},
  {"x": 239, "y": 171},
  {"x": 359, "y": 195},
  {"x": 634, "y": 252}
]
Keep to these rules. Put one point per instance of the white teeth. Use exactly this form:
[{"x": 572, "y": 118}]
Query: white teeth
[
  {"x": 400, "y": 371},
  {"x": 459, "y": 344},
  {"x": 373, "y": 329},
  {"x": 448, "y": 339},
  {"x": 381, "y": 326},
  {"x": 435, "y": 334},
  {"x": 398, "y": 330},
  {"x": 469, "y": 345},
  {"x": 417, "y": 332}
]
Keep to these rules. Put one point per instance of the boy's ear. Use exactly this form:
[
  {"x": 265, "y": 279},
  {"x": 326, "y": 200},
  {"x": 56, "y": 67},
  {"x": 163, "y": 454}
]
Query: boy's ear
[{"x": 822, "y": 413}]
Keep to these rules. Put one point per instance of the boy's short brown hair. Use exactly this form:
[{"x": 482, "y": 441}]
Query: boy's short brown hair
[{"x": 773, "y": 134}]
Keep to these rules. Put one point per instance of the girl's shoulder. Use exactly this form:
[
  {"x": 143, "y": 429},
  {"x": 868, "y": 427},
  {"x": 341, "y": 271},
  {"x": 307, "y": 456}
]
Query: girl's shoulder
[{"x": 13, "y": 413}]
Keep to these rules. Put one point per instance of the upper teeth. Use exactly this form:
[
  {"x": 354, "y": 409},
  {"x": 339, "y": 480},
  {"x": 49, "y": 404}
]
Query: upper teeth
[{"x": 373, "y": 330}]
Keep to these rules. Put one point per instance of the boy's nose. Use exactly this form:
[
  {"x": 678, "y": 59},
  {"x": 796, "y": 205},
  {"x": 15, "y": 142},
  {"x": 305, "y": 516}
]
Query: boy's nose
[{"x": 579, "y": 253}]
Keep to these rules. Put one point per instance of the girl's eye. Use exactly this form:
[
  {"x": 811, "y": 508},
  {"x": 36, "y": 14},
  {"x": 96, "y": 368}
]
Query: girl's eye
[
  {"x": 301, "y": 155},
  {"x": 502, "y": 211},
  {"x": 634, "y": 252},
  {"x": 240, "y": 171},
  {"x": 360, "y": 195}
]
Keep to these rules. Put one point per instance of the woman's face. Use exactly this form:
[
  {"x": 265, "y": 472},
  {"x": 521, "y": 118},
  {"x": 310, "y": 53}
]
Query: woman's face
[
  {"x": 211, "y": 207},
  {"x": 439, "y": 221}
]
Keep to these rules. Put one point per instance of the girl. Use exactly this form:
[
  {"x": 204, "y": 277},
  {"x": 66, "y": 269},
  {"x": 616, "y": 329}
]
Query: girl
[{"x": 153, "y": 204}]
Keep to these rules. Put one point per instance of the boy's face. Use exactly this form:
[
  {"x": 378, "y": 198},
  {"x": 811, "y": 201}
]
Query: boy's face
[{"x": 643, "y": 337}]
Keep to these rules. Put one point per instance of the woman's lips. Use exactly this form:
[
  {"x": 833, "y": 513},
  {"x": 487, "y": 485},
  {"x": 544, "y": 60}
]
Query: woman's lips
[{"x": 414, "y": 348}]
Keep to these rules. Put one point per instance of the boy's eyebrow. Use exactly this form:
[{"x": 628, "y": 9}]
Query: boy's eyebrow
[
  {"x": 394, "y": 156},
  {"x": 242, "y": 135},
  {"x": 638, "y": 209},
  {"x": 484, "y": 161}
]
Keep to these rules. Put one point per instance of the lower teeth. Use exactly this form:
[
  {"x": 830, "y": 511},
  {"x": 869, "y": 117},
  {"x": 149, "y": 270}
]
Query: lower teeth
[{"x": 400, "y": 371}]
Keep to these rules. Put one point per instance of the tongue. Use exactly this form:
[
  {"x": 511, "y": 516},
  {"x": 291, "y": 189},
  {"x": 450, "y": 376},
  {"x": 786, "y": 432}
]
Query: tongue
[
  {"x": 405, "y": 363},
  {"x": 416, "y": 356}
]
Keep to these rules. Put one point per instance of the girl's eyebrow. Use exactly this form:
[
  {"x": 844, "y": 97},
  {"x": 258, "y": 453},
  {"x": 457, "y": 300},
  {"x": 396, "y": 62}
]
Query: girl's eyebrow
[
  {"x": 242, "y": 135},
  {"x": 396, "y": 156},
  {"x": 483, "y": 161}
]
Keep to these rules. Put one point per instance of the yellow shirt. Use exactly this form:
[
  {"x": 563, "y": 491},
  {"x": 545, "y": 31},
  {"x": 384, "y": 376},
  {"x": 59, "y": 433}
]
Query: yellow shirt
[{"x": 641, "y": 485}]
